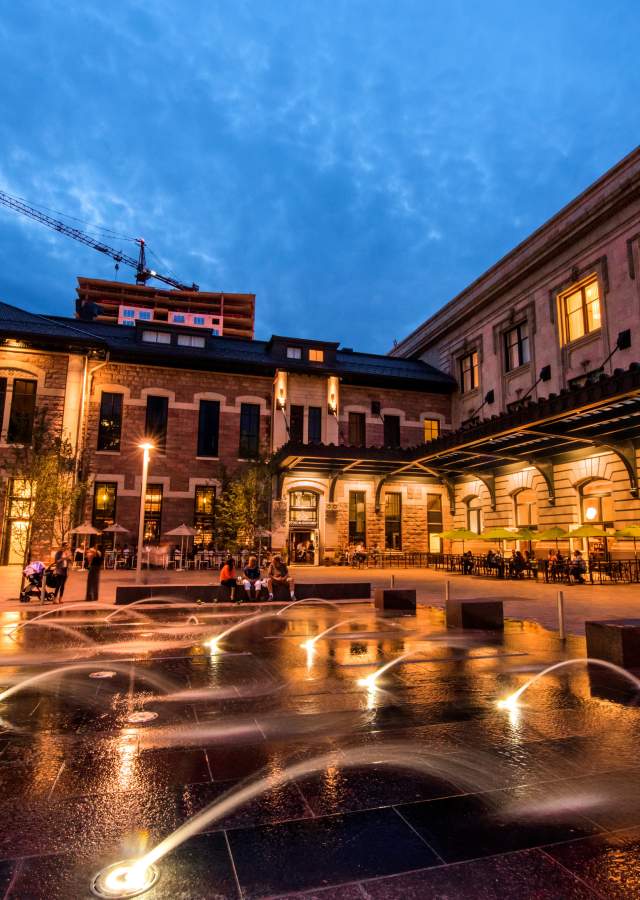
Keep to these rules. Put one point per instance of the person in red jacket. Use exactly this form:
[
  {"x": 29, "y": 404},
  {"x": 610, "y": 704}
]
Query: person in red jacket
[{"x": 228, "y": 577}]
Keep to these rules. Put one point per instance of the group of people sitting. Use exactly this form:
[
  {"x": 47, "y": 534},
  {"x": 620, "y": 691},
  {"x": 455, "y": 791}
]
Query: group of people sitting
[
  {"x": 516, "y": 565},
  {"x": 575, "y": 566},
  {"x": 252, "y": 579}
]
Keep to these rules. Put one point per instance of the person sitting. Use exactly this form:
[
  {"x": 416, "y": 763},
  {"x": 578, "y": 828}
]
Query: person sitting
[
  {"x": 578, "y": 567},
  {"x": 252, "y": 581},
  {"x": 278, "y": 573},
  {"x": 517, "y": 564},
  {"x": 228, "y": 578},
  {"x": 359, "y": 554},
  {"x": 468, "y": 563}
]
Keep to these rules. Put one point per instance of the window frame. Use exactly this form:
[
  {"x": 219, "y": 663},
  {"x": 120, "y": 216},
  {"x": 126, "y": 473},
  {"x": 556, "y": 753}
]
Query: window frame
[
  {"x": 294, "y": 352},
  {"x": 522, "y": 346},
  {"x": 99, "y": 518},
  {"x": 249, "y": 440},
  {"x": 474, "y": 371},
  {"x": 204, "y": 521},
  {"x": 357, "y": 516},
  {"x": 314, "y": 425},
  {"x": 296, "y": 423},
  {"x": 389, "y": 522},
  {"x": 304, "y": 523},
  {"x": 316, "y": 355},
  {"x": 153, "y": 512},
  {"x": 157, "y": 431},
  {"x": 392, "y": 436},
  {"x": 580, "y": 288},
  {"x": 357, "y": 428},
  {"x": 22, "y": 433},
  {"x": 112, "y": 431},
  {"x": 208, "y": 447},
  {"x": 431, "y": 423}
]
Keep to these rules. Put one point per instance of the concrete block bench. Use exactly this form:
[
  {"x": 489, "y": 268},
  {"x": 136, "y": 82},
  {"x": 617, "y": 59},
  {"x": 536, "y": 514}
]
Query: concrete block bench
[
  {"x": 615, "y": 640},
  {"x": 485, "y": 614},
  {"x": 189, "y": 593},
  {"x": 334, "y": 590},
  {"x": 395, "y": 601}
]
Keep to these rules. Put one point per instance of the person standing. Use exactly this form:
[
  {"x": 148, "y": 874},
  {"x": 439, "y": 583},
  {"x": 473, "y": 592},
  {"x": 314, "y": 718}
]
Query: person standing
[
  {"x": 61, "y": 565},
  {"x": 94, "y": 565}
]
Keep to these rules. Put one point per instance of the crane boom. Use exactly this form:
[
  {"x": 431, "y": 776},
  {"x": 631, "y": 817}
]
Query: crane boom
[{"x": 143, "y": 273}]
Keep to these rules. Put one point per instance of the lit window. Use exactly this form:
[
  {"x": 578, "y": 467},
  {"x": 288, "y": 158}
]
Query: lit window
[
  {"x": 215, "y": 332},
  {"x": 156, "y": 337},
  {"x": 131, "y": 323},
  {"x": 516, "y": 347},
  {"x": 526, "y": 508},
  {"x": 145, "y": 315},
  {"x": 469, "y": 371},
  {"x": 178, "y": 318},
  {"x": 474, "y": 514},
  {"x": 190, "y": 340},
  {"x": 128, "y": 314},
  {"x": 198, "y": 320},
  {"x": 431, "y": 429},
  {"x": 294, "y": 353},
  {"x": 316, "y": 355},
  {"x": 580, "y": 310},
  {"x": 597, "y": 503}
]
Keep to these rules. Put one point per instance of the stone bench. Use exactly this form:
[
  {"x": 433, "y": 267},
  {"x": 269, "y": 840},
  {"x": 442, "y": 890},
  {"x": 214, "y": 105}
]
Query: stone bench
[
  {"x": 484, "y": 614},
  {"x": 189, "y": 593},
  {"x": 395, "y": 601},
  {"x": 334, "y": 590},
  {"x": 615, "y": 640}
]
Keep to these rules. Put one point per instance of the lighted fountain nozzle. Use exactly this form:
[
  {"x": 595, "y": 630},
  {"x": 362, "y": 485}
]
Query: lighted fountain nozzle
[
  {"x": 127, "y": 878},
  {"x": 368, "y": 682},
  {"x": 509, "y": 703}
]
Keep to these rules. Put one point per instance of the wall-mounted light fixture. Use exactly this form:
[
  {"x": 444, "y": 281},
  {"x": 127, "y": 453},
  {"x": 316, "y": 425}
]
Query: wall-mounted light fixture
[
  {"x": 333, "y": 395},
  {"x": 281, "y": 390}
]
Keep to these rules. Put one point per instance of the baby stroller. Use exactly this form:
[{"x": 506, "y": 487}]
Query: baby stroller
[{"x": 35, "y": 573}]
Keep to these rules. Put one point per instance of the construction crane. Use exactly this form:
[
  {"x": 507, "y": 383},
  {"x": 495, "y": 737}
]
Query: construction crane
[{"x": 143, "y": 272}]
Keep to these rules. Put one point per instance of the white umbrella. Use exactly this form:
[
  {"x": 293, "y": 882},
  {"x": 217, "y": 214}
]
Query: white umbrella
[
  {"x": 115, "y": 530},
  {"x": 85, "y": 529},
  {"x": 182, "y": 531}
]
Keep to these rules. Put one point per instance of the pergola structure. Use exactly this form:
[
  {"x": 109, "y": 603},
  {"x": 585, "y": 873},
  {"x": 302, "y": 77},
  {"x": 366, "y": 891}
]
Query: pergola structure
[{"x": 603, "y": 414}]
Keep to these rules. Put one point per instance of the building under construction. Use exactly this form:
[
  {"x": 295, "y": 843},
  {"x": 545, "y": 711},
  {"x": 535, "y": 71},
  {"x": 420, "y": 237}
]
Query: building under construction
[{"x": 231, "y": 315}]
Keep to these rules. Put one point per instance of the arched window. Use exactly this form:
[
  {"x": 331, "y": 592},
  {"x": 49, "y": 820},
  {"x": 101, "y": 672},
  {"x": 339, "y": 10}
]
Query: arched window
[
  {"x": 474, "y": 514},
  {"x": 597, "y": 503},
  {"x": 525, "y": 508}
]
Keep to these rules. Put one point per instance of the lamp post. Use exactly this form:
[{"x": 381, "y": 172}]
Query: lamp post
[{"x": 146, "y": 449}]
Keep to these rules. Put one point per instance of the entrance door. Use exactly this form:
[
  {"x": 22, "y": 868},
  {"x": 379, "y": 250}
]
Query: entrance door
[{"x": 303, "y": 547}]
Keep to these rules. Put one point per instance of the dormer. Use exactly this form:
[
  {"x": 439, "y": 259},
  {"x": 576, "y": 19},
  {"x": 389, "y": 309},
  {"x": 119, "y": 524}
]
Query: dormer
[{"x": 301, "y": 354}]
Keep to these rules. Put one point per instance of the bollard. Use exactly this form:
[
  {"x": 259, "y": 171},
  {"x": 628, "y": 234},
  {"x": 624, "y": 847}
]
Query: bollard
[
  {"x": 446, "y": 592},
  {"x": 393, "y": 580},
  {"x": 561, "y": 631}
]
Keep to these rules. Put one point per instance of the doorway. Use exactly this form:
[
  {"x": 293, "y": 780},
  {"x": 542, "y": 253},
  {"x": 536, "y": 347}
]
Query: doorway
[{"x": 303, "y": 547}]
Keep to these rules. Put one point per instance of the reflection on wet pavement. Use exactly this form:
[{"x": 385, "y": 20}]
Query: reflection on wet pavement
[{"x": 537, "y": 800}]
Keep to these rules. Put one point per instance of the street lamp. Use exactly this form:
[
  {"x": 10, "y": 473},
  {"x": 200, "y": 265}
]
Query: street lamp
[{"x": 146, "y": 449}]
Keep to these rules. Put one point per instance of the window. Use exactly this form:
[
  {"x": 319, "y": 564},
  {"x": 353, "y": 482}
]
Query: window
[
  {"x": 178, "y": 318},
  {"x": 19, "y": 509},
  {"x": 296, "y": 424},
  {"x": 249, "y": 431},
  {"x": 357, "y": 517},
  {"x": 156, "y": 421},
  {"x": 303, "y": 508},
  {"x": 314, "y": 426},
  {"x": 431, "y": 429},
  {"x": 3, "y": 399},
  {"x": 198, "y": 320},
  {"x": 393, "y": 521},
  {"x": 316, "y": 355},
  {"x": 526, "y": 508},
  {"x": 516, "y": 346},
  {"x": 215, "y": 332},
  {"x": 23, "y": 408},
  {"x": 208, "y": 428},
  {"x": 474, "y": 515},
  {"x": 392, "y": 431},
  {"x": 469, "y": 371},
  {"x": 104, "y": 504},
  {"x": 204, "y": 514},
  {"x": 155, "y": 337},
  {"x": 580, "y": 310},
  {"x": 129, "y": 313},
  {"x": 110, "y": 422},
  {"x": 434, "y": 522},
  {"x": 190, "y": 340},
  {"x": 146, "y": 315},
  {"x": 597, "y": 503},
  {"x": 294, "y": 353},
  {"x": 153, "y": 513},
  {"x": 357, "y": 429},
  {"x": 129, "y": 323}
]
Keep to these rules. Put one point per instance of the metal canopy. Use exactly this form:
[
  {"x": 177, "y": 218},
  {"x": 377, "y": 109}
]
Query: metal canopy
[{"x": 602, "y": 415}]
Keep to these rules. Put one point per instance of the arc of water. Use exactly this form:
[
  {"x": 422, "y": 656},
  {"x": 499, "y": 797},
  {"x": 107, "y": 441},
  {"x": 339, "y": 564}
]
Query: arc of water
[
  {"x": 83, "y": 638},
  {"x": 215, "y": 640},
  {"x": 309, "y": 600},
  {"x": 458, "y": 767},
  {"x": 511, "y": 701},
  {"x": 162, "y": 684},
  {"x": 69, "y": 608},
  {"x": 129, "y": 606},
  {"x": 308, "y": 645}
]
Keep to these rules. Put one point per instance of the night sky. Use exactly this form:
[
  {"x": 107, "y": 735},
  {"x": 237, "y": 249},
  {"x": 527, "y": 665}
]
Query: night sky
[{"x": 354, "y": 164}]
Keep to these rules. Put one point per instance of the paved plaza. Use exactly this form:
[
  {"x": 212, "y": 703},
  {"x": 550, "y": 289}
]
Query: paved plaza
[{"x": 524, "y": 599}]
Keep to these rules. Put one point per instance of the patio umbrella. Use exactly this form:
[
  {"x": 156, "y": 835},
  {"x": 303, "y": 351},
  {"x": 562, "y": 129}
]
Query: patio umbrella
[
  {"x": 587, "y": 531},
  {"x": 553, "y": 534},
  {"x": 459, "y": 534},
  {"x": 499, "y": 534},
  {"x": 630, "y": 533},
  {"x": 84, "y": 529},
  {"x": 115, "y": 530},
  {"x": 182, "y": 531}
]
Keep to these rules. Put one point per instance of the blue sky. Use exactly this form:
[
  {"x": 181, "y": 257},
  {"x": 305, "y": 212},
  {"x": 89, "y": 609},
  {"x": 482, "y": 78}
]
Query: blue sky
[{"x": 354, "y": 164}]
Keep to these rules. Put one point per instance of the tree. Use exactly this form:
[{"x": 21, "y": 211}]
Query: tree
[
  {"x": 243, "y": 506},
  {"x": 47, "y": 490}
]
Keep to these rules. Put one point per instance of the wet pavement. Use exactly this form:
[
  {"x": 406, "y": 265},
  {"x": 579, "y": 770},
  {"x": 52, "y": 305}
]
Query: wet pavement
[{"x": 299, "y": 778}]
